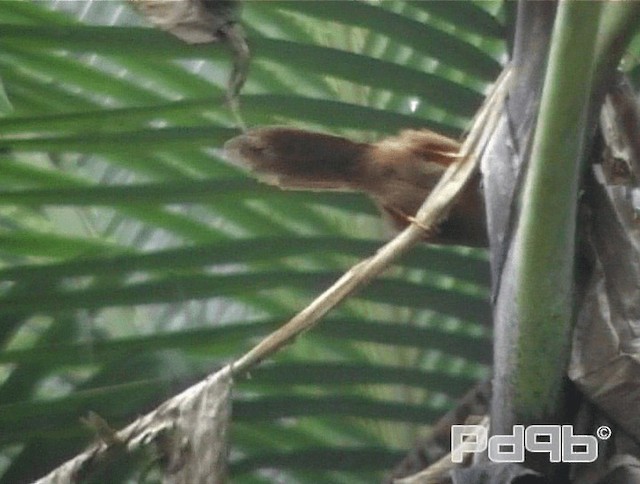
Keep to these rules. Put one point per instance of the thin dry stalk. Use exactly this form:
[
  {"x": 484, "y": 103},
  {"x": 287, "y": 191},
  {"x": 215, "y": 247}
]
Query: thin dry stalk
[
  {"x": 434, "y": 209},
  {"x": 148, "y": 427}
]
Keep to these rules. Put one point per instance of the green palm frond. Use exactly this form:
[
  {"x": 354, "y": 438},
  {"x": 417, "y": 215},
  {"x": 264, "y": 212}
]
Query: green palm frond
[{"x": 135, "y": 260}]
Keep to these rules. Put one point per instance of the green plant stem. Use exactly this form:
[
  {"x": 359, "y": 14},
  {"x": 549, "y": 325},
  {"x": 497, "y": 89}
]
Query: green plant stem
[
  {"x": 546, "y": 245},
  {"x": 620, "y": 22}
]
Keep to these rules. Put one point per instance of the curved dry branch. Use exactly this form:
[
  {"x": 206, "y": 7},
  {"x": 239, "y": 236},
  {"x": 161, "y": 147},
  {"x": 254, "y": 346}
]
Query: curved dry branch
[
  {"x": 190, "y": 429},
  {"x": 434, "y": 209}
]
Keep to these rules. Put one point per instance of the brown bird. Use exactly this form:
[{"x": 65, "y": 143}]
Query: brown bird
[{"x": 397, "y": 173}]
